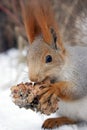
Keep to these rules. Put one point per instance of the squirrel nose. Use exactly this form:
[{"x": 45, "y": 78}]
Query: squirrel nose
[{"x": 34, "y": 79}]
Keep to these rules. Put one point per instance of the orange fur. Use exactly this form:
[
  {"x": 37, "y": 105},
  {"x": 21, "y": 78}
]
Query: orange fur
[
  {"x": 39, "y": 19},
  {"x": 56, "y": 122},
  {"x": 60, "y": 89}
]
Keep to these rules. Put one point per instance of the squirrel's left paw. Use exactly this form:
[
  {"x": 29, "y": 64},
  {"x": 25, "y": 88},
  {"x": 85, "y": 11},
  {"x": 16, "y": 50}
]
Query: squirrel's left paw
[{"x": 48, "y": 100}]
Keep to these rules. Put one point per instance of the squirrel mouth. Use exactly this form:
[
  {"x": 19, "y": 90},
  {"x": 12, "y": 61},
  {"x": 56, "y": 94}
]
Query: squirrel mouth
[
  {"x": 47, "y": 80},
  {"x": 53, "y": 80},
  {"x": 50, "y": 79}
]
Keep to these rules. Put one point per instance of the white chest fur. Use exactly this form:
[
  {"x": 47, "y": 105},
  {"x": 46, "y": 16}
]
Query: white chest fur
[{"x": 76, "y": 110}]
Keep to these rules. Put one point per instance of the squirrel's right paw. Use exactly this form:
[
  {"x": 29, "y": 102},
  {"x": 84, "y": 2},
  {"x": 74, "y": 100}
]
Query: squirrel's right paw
[{"x": 48, "y": 102}]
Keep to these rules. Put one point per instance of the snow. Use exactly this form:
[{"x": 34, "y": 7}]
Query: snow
[{"x": 11, "y": 116}]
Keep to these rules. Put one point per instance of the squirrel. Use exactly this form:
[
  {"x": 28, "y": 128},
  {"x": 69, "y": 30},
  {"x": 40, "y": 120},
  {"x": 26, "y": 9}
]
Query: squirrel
[{"x": 49, "y": 58}]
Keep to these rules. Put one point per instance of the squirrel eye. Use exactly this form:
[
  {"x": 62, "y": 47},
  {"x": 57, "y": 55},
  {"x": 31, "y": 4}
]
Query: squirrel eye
[{"x": 48, "y": 58}]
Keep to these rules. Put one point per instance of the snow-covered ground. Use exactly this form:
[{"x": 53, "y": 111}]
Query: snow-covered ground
[{"x": 11, "y": 116}]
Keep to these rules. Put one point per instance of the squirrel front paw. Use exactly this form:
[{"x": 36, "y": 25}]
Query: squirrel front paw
[{"x": 48, "y": 102}]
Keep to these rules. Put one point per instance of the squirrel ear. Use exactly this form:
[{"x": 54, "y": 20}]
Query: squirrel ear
[
  {"x": 31, "y": 26},
  {"x": 54, "y": 39},
  {"x": 38, "y": 19}
]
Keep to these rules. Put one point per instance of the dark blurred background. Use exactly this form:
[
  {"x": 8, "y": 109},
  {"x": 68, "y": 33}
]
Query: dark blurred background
[{"x": 11, "y": 25}]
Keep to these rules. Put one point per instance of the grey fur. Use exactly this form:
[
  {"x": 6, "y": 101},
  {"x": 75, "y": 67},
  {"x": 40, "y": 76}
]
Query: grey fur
[{"x": 69, "y": 13}]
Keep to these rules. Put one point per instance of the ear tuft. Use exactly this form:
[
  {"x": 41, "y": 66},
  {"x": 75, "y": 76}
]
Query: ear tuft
[
  {"x": 31, "y": 25},
  {"x": 38, "y": 19}
]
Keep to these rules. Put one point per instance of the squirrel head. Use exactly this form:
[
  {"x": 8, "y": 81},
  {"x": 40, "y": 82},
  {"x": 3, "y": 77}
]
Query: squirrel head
[
  {"x": 46, "y": 54},
  {"x": 44, "y": 61}
]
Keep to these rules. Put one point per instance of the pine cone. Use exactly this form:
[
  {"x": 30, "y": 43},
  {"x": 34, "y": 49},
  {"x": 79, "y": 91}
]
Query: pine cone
[{"x": 26, "y": 95}]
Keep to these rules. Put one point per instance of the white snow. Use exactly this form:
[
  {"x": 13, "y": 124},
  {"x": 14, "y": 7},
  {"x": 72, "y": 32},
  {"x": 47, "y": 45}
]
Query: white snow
[{"x": 11, "y": 116}]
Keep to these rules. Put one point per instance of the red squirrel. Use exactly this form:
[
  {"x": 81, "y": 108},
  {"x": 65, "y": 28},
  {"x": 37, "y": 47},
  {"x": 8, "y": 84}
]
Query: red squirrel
[{"x": 49, "y": 58}]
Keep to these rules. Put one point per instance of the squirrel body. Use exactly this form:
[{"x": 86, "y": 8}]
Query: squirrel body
[
  {"x": 76, "y": 110},
  {"x": 76, "y": 71},
  {"x": 65, "y": 66}
]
